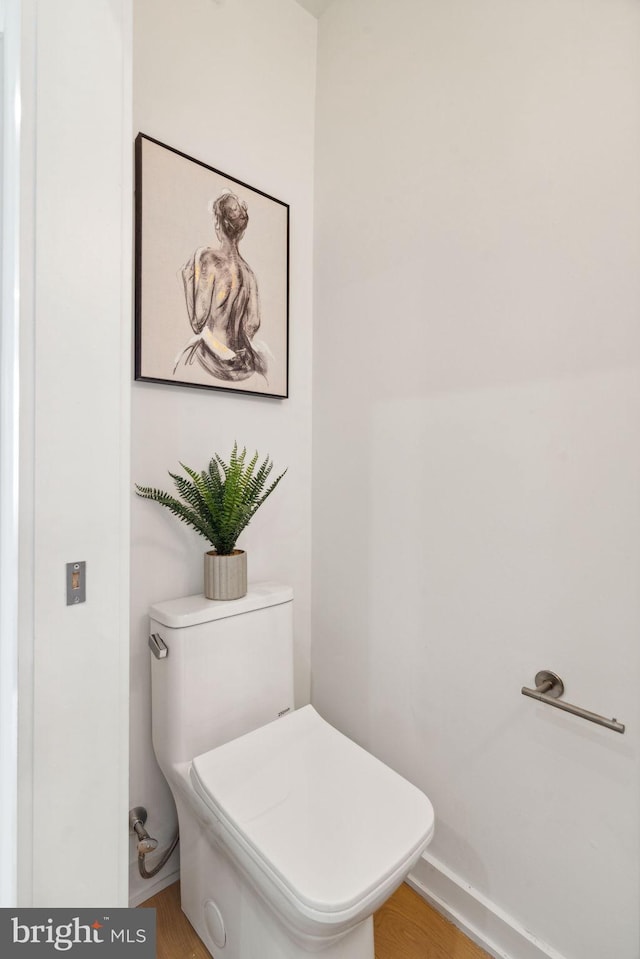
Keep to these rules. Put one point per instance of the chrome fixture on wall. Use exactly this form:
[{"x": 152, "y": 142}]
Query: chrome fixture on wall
[
  {"x": 137, "y": 819},
  {"x": 549, "y": 687}
]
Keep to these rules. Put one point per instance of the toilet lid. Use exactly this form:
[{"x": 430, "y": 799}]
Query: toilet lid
[{"x": 328, "y": 819}]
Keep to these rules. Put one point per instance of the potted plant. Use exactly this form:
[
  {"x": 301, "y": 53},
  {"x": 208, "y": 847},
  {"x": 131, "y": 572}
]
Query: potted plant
[{"x": 218, "y": 503}]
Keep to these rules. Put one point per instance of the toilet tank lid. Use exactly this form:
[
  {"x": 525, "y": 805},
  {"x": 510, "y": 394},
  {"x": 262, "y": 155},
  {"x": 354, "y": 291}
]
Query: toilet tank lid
[{"x": 194, "y": 610}]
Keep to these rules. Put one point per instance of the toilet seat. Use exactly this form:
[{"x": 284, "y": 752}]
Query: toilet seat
[{"x": 333, "y": 828}]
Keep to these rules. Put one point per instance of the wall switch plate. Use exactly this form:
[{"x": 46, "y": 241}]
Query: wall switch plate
[{"x": 76, "y": 583}]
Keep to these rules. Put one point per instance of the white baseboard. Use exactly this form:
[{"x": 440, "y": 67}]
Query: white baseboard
[
  {"x": 151, "y": 887},
  {"x": 480, "y": 919}
]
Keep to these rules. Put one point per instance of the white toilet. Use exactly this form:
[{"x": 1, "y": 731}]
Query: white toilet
[{"x": 291, "y": 835}]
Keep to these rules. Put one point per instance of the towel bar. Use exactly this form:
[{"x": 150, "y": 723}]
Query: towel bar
[{"x": 549, "y": 688}]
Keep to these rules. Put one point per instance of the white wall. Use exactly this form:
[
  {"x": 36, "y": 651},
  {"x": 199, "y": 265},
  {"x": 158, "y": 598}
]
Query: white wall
[
  {"x": 476, "y": 326},
  {"x": 9, "y": 438},
  {"x": 231, "y": 84},
  {"x": 74, "y": 740}
]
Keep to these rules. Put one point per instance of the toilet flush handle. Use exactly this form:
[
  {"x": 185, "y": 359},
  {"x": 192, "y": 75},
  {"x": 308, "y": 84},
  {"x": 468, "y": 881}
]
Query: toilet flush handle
[{"x": 158, "y": 646}]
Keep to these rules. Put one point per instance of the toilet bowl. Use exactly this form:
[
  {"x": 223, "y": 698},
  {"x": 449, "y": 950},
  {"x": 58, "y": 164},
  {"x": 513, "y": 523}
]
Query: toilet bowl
[{"x": 291, "y": 834}]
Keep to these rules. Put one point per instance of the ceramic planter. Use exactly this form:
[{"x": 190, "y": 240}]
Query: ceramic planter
[{"x": 225, "y": 577}]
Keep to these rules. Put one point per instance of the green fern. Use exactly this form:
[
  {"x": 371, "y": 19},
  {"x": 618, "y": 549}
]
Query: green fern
[{"x": 220, "y": 501}]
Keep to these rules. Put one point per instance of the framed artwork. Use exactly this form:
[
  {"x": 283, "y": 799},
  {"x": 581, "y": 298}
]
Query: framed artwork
[{"x": 212, "y": 277}]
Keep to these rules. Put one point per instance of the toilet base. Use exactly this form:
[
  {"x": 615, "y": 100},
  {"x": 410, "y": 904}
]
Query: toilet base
[
  {"x": 233, "y": 920},
  {"x": 264, "y": 938}
]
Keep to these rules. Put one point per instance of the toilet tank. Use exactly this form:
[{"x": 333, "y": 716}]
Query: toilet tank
[{"x": 228, "y": 669}]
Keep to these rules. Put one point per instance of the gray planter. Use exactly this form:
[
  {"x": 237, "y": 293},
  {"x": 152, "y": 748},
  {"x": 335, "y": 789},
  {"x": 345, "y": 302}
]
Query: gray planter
[{"x": 225, "y": 577}]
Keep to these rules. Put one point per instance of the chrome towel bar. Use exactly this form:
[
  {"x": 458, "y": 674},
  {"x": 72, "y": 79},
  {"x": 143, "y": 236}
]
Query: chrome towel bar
[{"x": 550, "y": 687}]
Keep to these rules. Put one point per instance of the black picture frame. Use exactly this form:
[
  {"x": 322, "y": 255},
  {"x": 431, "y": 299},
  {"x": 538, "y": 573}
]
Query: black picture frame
[{"x": 211, "y": 277}]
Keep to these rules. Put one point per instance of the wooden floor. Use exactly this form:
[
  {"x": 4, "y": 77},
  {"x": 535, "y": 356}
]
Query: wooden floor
[{"x": 405, "y": 928}]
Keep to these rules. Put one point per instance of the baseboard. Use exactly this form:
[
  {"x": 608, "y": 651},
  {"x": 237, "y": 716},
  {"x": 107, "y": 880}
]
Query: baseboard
[
  {"x": 151, "y": 887},
  {"x": 480, "y": 919}
]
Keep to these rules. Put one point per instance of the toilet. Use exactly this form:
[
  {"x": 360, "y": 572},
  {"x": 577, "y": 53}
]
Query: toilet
[{"x": 291, "y": 835}]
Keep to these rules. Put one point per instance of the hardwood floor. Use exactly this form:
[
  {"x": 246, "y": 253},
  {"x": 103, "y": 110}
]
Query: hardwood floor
[
  {"x": 175, "y": 936},
  {"x": 405, "y": 928},
  {"x": 408, "y": 928}
]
